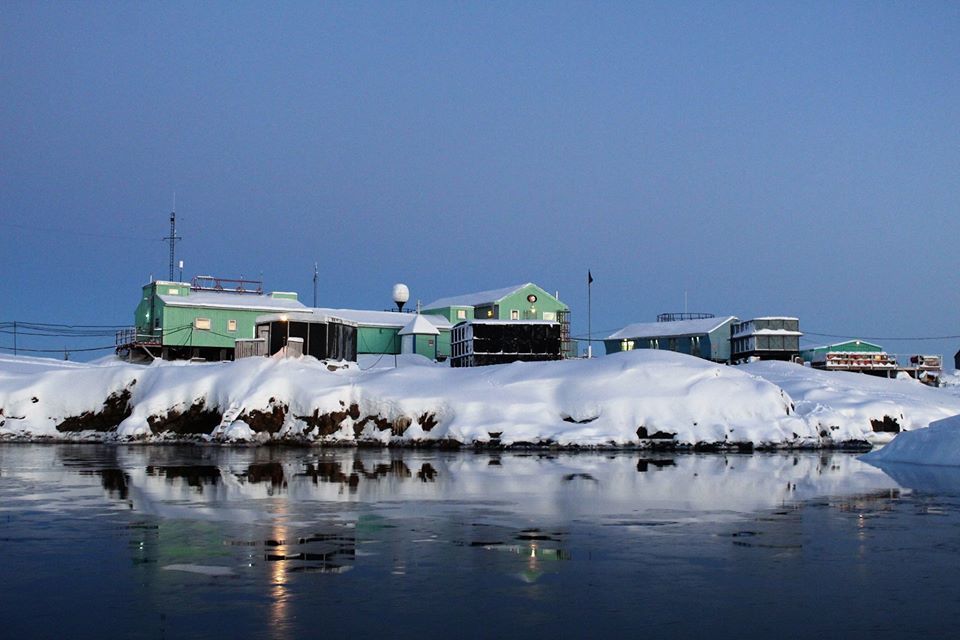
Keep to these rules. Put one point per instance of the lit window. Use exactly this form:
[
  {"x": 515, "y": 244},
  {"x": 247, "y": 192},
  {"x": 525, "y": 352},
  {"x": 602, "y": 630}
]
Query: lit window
[
  {"x": 173, "y": 292},
  {"x": 231, "y": 325},
  {"x": 489, "y": 313},
  {"x": 201, "y": 323},
  {"x": 514, "y": 314},
  {"x": 549, "y": 315},
  {"x": 461, "y": 314}
]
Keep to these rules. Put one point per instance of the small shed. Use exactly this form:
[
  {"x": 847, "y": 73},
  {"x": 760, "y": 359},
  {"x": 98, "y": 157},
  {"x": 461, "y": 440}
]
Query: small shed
[
  {"x": 419, "y": 336},
  {"x": 324, "y": 337}
]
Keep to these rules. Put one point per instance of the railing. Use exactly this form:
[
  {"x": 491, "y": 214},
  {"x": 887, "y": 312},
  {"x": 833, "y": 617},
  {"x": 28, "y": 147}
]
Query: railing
[
  {"x": 233, "y": 285},
  {"x": 673, "y": 317},
  {"x": 130, "y": 336}
]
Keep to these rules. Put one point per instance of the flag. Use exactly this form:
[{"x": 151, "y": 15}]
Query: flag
[{"x": 589, "y": 277}]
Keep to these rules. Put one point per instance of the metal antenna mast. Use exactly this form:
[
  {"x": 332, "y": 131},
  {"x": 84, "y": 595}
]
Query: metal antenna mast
[{"x": 173, "y": 237}]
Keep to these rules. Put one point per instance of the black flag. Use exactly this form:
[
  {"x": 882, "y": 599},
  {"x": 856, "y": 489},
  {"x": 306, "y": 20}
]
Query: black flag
[{"x": 589, "y": 277}]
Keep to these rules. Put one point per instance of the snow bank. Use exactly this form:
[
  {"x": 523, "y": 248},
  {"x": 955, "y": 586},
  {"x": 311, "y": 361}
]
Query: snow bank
[
  {"x": 638, "y": 398},
  {"x": 854, "y": 406},
  {"x": 937, "y": 445}
]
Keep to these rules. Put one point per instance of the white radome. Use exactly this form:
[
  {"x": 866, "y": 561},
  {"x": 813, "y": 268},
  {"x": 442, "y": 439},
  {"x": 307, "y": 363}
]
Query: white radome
[{"x": 401, "y": 294}]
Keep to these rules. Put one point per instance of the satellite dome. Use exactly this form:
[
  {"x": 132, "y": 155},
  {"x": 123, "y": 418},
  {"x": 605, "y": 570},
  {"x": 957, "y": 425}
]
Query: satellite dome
[{"x": 401, "y": 294}]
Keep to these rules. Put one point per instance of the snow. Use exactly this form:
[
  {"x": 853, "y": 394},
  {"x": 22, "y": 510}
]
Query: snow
[
  {"x": 475, "y": 299},
  {"x": 842, "y": 403},
  {"x": 939, "y": 444},
  {"x": 666, "y": 329},
  {"x": 395, "y": 319},
  {"x": 597, "y": 402},
  {"x": 419, "y": 326},
  {"x": 227, "y": 300}
]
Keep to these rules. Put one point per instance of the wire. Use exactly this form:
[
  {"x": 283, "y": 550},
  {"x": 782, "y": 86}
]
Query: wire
[
  {"x": 833, "y": 335},
  {"x": 65, "y": 349}
]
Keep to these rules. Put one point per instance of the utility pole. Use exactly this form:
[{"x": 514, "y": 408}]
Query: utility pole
[
  {"x": 315, "y": 276},
  {"x": 14, "y": 337}
]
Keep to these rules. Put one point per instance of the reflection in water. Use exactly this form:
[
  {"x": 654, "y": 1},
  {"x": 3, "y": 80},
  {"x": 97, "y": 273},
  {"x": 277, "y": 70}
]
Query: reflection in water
[{"x": 284, "y": 542}]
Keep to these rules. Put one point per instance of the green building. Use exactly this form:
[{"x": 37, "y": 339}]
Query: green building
[
  {"x": 518, "y": 303},
  {"x": 200, "y": 319},
  {"x": 819, "y": 354},
  {"x": 853, "y": 355}
]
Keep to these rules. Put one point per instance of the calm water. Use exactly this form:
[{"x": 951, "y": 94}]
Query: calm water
[{"x": 173, "y": 542}]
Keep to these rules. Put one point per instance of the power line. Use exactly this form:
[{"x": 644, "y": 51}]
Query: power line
[{"x": 854, "y": 337}]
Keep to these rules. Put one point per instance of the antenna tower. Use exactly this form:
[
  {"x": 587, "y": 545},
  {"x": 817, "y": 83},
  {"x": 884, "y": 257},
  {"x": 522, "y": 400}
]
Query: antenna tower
[{"x": 172, "y": 239}]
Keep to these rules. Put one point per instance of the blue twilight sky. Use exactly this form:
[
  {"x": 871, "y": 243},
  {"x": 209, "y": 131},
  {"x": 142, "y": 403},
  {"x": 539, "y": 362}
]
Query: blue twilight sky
[{"x": 769, "y": 158}]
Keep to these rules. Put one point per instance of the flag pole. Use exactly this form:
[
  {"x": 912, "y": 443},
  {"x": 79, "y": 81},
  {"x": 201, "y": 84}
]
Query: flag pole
[{"x": 589, "y": 314}]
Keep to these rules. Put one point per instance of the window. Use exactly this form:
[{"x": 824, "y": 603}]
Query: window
[
  {"x": 461, "y": 314},
  {"x": 514, "y": 314},
  {"x": 549, "y": 315},
  {"x": 231, "y": 325},
  {"x": 173, "y": 291},
  {"x": 202, "y": 323}
]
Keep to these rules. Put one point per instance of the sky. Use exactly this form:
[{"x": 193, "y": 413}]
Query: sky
[{"x": 741, "y": 158}]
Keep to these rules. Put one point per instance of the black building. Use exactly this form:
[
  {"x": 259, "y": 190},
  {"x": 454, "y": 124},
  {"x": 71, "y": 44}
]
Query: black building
[
  {"x": 324, "y": 337},
  {"x": 482, "y": 342}
]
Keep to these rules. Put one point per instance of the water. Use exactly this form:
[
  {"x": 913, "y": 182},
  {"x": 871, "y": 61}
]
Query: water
[{"x": 178, "y": 542}]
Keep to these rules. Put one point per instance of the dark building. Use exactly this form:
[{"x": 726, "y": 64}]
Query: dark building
[
  {"x": 481, "y": 342},
  {"x": 324, "y": 337},
  {"x": 956, "y": 361}
]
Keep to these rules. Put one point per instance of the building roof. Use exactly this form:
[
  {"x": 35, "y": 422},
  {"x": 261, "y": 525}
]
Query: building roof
[
  {"x": 304, "y": 316},
  {"x": 671, "y": 329},
  {"x": 476, "y": 299},
  {"x": 227, "y": 300},
  {"x": 420, "y": 326},
  {"x": 390, "y": 319},
  {"x": 841, "y": 344}
]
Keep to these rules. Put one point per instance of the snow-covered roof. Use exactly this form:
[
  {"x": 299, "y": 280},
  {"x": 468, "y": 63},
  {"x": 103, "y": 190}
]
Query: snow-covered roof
[
  {"x": 392, "y": 319},
  {"x": 308, "y": 315},
  {"x": 420, "y": 326},
  {"x": 668, "y": 329},
  {"x": 475, "y": 299},
  {"x": 227, "y": 300},
  {"x": 773, "y": 332}
]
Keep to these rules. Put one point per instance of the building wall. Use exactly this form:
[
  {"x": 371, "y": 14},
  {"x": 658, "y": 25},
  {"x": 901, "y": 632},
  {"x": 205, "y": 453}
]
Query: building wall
[
  {"x": 377, "y": 340},
  {"x": 526, "y": 310},
  {"x": 853, "y": 346},
  {"x": 710, "y": 346},
  {"x": 546, "y": 303},
  {"x": 179, "y": 326}
]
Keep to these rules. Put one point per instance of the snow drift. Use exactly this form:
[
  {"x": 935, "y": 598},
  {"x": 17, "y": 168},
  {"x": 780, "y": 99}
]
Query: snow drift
[
  {"x": 937, "y": 445},
  {"x": 639, "y": 398}
]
